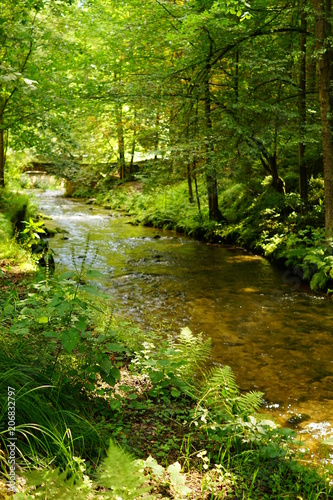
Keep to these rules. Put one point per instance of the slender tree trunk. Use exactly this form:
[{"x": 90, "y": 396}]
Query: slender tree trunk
[
  {"x": 189, "y": 183},
  {"x": 121, "y": 142},
  {"x": 188, "y": 166},
  {"x": 131, "y": 164},
  {"x": 194, "y": 164},
  {"x": 157, "y": 135},
  {"x": 278, "y": 183},
  {"x": 323, "y": 34},
  {"x": 303, "y": 180},
  {"x": 2, "y": 158},
  {"x": 130, "y": 168},
  {"x": 194, "y": 173},
  {"x": 211, "y": 178}
]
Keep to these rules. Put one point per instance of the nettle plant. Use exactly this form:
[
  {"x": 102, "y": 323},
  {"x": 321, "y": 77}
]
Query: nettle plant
[{"x": 56, "y": 318}]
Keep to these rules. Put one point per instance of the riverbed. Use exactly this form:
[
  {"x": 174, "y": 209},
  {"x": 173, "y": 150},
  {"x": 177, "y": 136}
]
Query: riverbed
[{"x": 274, "y": 333}]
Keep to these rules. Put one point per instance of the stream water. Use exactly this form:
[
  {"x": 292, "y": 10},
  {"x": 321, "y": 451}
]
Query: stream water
[{"x": 276, "y": 336}]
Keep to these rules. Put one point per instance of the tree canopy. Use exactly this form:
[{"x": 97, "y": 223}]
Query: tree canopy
[{"x": 215, "y": 89}]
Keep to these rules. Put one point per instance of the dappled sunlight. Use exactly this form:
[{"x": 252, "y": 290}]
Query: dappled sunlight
[{"x": 238, "y": 259}]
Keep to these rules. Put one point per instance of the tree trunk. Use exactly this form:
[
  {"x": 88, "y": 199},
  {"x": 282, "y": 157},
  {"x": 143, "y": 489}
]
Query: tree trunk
[
  {"x": 157, "y": 135},
  {"x": 278, "y": 183},
  {"x": 130, "y": 168},
  {"x": 121, "y": 143},
  {"x": 194, "y": 173},
  {"x": 2, "y": 159},
  {"x": 323, "y": 34},
  {"x": 131, "y": 164},
  {"x": 211, "y": 179},
  {"x": 303, "y": 179},
  {"x": 189, "y": 183}
]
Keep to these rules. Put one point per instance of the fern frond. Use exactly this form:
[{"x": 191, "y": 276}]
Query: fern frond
[
  {"x": 192, "y": 348},
  {"x": 53, "y": 484},
  {"x": 121, "y": 474},
  {"x": 250, "y": 402},
  {"x": 219, "y": 389},
  {"x": 222, "y": 379}
]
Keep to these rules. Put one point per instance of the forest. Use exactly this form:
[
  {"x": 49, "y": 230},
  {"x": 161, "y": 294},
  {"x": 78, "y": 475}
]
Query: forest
[{"x": 209, "y": 118}]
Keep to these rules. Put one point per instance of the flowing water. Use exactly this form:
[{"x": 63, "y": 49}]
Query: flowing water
[{"x": 276, "y": 336}]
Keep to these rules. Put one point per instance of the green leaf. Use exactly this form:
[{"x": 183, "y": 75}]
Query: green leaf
[
  {"x": 20, "y": 331},
  {"x": 156, "y": 377},
  {"x": 63, "y": 308},
  {"x": 164, "y": 362},
  {"x": 94, "y": 274},
  {"x": 8, "y": 309},
  {"x": 70, "y": 338},
  {"x": 110, "y": 380},
  {"x": 81, "y": 324},
  {"x": 105, "y": 364},
  {"x": 177, "y": 479},
  {"x": 51, "y": 334},
  {"x": 94, "y": 291},
  {"x": 151, "y": 463},
  {"x": 42, "y": 319},
  {"x": 67, "y": 275},
  {"x": 115, "y": 347},
  {"x": 286, "y": 432},
  {"x": 115, "y": 373}
]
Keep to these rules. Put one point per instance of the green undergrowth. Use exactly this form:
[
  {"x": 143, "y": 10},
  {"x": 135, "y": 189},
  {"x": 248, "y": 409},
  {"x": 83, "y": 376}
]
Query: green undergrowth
[
  {"x": 104, "y": 409},
  {"x": 166, "y": 207},
  {"x": 14, "y": 209},
  {"x": 256, "y": 217}
]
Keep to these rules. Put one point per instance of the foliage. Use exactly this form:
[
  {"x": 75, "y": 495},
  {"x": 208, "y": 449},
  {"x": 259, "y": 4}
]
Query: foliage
[
  {"x": 17, "y": 208},
  {"x": 59, "y": 325},
  {"x": 166, "y": 208},
  {"x": 73, "y": 412},
  {"x": 211, "y": 98},
  {"x": 11, "y": 211},
  {"x": 122, "y": 475},
  {"x": 48, "y": 424}
]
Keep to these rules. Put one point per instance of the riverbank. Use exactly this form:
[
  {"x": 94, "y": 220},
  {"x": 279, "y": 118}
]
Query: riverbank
[
  {"x": 112, "y": 383},
  {"x": 267, "y": 223},
  {"x": 90, "y": 377}
]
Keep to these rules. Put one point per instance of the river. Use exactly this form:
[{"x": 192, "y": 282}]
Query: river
[{"x": 276, "y": 336}]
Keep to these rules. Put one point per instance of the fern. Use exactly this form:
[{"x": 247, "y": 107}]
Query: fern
[
  {"x": 121, "y": 474},
  {"x": 193, "y": 349},
  {"x": 250, "y": 402},
  {"x": 220, "y": 392},
  {"x": 220, "y": 388},
  {"x": 52, "y": 484}
]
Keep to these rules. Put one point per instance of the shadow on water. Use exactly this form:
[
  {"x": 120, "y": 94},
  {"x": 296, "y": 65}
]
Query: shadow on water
[{"x": 276, "y": 336}]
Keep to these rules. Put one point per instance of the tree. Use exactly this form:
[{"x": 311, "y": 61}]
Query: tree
[
  {"x": 323, "y": 16},
  {"x": 303, "y": 180},
  {"x": 18, "y": 27}
]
